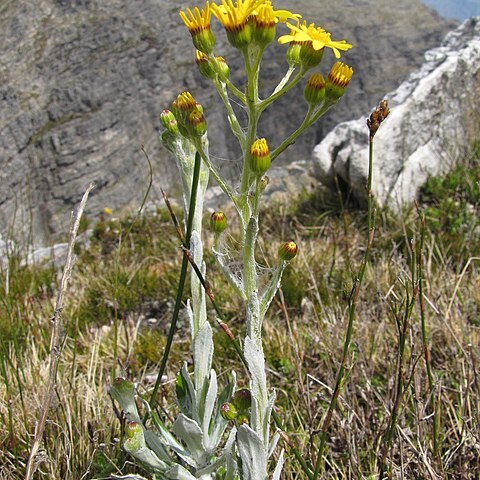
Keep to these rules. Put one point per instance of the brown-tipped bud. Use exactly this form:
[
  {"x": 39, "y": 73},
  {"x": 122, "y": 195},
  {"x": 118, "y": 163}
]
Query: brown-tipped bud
[
  {"x": 259, "y": 156},
  {"x": 337, "y": 81},
  {"x": 263, "y": 25},
  {"x": 242, "y": 399},
  {"x": 288, "y": 251},
  {"x": 204, "y": 66},
  {"x": 228, "y": 411},
  {"x": 196, "y": 123},
  {"x": 223, "y": 68},
  {"x": 132, "y": 429},
  {"x": 169, "y": 122},
  {"x": 218, "y": 222},
  {"x": 314, "y": 92},
  {"x": 377, "y": 117}
]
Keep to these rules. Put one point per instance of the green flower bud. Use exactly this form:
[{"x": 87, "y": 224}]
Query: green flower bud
[
  {"x": 314, "y": 92},
  {"x": 169, "y": 122},
  {"x": 228, "y": 411},
  {"x": 242, "y": 399},
  {"x": 259, "y": 157},
  {"x": 309, "y": 57},
  {"x": 288, "y": 250},
  {"x": 337, "y": 81},
  {"x": 132, "y": 429},
  {"x": 204, "y": 66},
  {"x": 223, "y": 68},
  {"x": 218, "y": 222},
  {"x": 293, "y": 54},
  {"x": 196, "y": 123}
]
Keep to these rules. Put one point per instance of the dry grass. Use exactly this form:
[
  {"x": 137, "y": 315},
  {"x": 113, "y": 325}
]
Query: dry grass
[{"x": 118, "y": 313}]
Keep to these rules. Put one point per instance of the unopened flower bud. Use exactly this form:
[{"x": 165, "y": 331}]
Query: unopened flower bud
[
  {"x": 132, "y": 429},
  {"x": 337, "y": 81},
  {"x": 169, "y": 122},
  {"x": 196, "y": 123},
  {"x": 259, "y": 157},
  {"x": 204, "y": 66},
  {"x": 228, "y": 411},
  {"x": 242, "y": 399},
  {"x": 223, "y": 68},
  {"x": 288, "y": 251},
  {"x": 293, "y": 54},
  {"x": 218, "y": 222},
  {"x": 314, "y": 91}
]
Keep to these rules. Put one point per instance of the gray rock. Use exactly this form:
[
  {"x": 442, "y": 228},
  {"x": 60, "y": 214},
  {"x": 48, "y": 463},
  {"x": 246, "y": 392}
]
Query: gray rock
[
  {"x": 433, "y": 123},
  {"x": 82, "y": 84}
]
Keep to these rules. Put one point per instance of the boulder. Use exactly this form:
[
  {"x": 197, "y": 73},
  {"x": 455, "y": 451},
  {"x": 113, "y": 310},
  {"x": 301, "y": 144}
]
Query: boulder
[{"x": 433, "y": 123}]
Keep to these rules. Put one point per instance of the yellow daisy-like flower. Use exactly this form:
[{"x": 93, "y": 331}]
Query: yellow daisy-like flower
[
  {"x": 265, "y": 14},
  {"x": 198, "y": 24},
  {"x": 340, "y": 75},
  {"x": 234, "y": 16},
  {"x": 316, "y": 36},
  {"x": 197, "y": 20}
]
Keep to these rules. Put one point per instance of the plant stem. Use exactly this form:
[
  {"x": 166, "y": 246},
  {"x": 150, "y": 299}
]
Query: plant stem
[
  {"x": 181, "y": 285},
  {"x": 352, "y": 306},
  {"x": 426, "y": 350}
]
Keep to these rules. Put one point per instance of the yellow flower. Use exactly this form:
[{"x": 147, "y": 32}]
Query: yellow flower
[
  {"x": 266, "y": 15},
  {"x": 234, "y": 17},
  {"x": 259, "y": 156},
  {"x": 198, "y": 24},
  {"x": 340, "y": 75},
  {"x": 197, "y": 20},
  {"x": 316, "y": 36},
  {"x": 337, "y": 81}
]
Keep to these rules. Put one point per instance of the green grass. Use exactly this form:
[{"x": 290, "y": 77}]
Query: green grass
[{"x": 120, "y": 303}]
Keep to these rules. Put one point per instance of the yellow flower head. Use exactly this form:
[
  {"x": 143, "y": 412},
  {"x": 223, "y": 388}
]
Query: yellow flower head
[
  {"x": 197, "y": 20},
  {"x": 235, "y": 16},
  {"x": 265, "y": 15},
  {"x": 259, "y": 157},
  {"x": 198, "y": 24},
  {"x": 340, "y": 75},
  {"x": 316, "y": 36}
]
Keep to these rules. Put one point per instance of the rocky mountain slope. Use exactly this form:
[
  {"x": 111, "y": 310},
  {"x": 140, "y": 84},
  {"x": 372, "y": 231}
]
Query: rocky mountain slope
[{"x": 82, "y": 84}]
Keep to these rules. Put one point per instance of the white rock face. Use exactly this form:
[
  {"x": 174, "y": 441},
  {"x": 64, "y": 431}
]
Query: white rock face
[{"x": 434, "y": 118}]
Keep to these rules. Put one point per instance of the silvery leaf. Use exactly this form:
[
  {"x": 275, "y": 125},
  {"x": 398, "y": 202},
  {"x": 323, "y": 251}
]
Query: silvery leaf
[
  {"x": 123, "y": 392},
  {"x": 273, "y": 444},
  {"x": 256, "y": 366},
  {"x": 189, "y": 431},
  {"x": 179, "y": 473},
  {"x": 127, "y": 477},
  {"x": 209, "y": 405},
  {"x": 253, "y": 455},
  {"x": 202, "y": 354},
  {"x": 219, "y": 423},
  {"x": 278, "y": 468},
  {"x": 154, "y": 443},
  {"x": 185, "y": 392}
]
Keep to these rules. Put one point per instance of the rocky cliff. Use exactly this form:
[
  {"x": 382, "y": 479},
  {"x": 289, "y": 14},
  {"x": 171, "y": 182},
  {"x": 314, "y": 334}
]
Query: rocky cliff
[
  {"x": 434, "y": 122},
  {"x": 82, "y": 84}
]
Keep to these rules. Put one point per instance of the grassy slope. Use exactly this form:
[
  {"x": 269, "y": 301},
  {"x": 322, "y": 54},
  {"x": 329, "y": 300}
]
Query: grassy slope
[{"x": 120, "y": 304}]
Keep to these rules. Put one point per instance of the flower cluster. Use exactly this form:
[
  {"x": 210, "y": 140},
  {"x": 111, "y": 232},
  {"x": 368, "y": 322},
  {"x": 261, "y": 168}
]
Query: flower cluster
[{"x": 196, "y": 447}]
